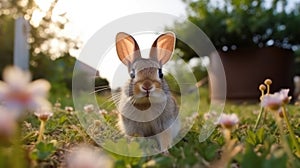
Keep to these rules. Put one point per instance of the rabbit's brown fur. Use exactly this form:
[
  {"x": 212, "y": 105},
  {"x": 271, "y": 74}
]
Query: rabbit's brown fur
[{"x": 146, "y": 106}]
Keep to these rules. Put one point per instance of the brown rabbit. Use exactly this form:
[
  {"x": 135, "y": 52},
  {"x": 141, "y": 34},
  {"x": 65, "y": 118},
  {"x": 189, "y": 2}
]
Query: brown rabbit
[{"x": 146, "y": 106}]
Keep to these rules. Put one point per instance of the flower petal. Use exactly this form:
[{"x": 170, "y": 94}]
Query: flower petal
[
  {"x": 228, "y": 120},
  {"x": 39, "y": 88},
  {"x": 273, "y": 101},
  {"x": 39, "y": 103},
  {"x": 16, "y": 78}
]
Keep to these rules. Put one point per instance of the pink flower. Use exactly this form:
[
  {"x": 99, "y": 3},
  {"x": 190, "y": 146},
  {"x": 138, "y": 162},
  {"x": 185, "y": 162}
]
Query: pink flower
[
  {"x": 103, "y": 112},
  {"x": 284, "y": 95},
  {"x": 210, "y": 115},
  {"x": 87, "y": 157},
  {"x": 271, "y": 101},
  {"x": 69, "y": 108},
  {"x": 44, "y": 113},
  {"x": 228, "y": 120},
  {"x": 57, "y": 105},
  {"x": 276, "y": 100},
  {"x": 17, "y": 92},
  {"x": 89, "y": 108}
]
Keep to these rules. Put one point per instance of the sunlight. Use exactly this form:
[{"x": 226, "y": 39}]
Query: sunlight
[
  {"x": 43, "y": 5},
  {"x": 37, "y": 17},
  {"x": 84, "y": 18},
  {"x": 40, "y": 12}
]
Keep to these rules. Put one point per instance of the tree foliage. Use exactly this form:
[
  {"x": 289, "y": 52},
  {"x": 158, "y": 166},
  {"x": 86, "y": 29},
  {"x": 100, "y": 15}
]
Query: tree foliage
[
  {"x": 46, "y": 35},
  {"x": 233, "y": 24},
  {"x": 49, "y": 46}
]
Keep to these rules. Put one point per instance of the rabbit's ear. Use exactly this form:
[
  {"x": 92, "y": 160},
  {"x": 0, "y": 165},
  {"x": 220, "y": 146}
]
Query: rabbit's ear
[
  {"x": 127, "y": 48},
  {"x": 162, "y": 48}
]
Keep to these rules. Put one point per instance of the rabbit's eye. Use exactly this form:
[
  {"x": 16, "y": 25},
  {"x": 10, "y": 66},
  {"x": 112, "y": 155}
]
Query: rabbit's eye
[
  {"x": 132, "y": 73},
  {"x": 160, "y": 74}
]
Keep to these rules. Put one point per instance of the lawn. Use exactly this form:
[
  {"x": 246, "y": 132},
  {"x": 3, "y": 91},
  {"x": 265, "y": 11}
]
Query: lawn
[{"x": 66, "y": 142}]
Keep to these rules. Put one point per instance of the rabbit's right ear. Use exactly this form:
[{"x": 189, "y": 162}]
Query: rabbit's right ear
[{"x": 127, "y": 48}]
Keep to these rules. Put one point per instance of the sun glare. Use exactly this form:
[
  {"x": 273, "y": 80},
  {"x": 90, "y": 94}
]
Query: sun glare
[{"x": 43, "y": 5}]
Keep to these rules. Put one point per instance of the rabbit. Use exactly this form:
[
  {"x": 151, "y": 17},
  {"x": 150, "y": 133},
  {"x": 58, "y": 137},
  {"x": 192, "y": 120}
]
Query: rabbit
[{"x": 146, "y": 106}]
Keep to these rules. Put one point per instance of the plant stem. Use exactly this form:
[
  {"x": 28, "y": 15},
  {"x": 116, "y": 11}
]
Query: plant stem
[
  {"x": 259, "y": 117},
  {"x": 41, "y": 132},
  {"x": 284, "y": 142},
  {"x": 268, "y": 89},
  {"x": 292, "y": 134},
  {"x": 17, "y": 157},
  {"x": 227, "y": 135}
]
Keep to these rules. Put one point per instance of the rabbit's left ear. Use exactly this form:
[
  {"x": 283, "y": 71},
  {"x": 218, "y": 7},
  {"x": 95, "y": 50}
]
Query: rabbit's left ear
[
  {"x": 127, "y": 48},
  {"x": 163, "y": 47}
]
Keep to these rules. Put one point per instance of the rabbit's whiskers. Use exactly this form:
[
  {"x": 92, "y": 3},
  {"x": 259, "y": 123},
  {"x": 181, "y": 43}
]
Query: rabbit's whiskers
[
  {"x": 112, "y": 100},
  {"x": 100, "y": 88}
]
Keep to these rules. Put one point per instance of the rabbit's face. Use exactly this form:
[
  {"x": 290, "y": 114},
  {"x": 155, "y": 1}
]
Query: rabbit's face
[
  {"x": 147, "y": 83},
  {"x": 146, "y": 80}
]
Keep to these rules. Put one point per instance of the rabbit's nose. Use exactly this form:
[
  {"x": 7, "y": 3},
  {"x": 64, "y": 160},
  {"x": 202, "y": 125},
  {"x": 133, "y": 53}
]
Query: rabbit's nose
[
  {"x": 147, "y": 88},
  {"x": 147, "y": 85}
]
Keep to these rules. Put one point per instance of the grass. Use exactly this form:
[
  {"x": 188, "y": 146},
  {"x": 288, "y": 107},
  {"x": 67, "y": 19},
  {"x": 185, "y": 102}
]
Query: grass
[{"x": 262, "y": 148}]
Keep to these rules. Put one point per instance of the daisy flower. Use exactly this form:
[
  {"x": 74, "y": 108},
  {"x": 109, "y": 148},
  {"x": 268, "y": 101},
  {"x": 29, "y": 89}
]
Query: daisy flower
[
  {"x": 18, "y": 92},
  {"x": 44, "y": 113},
  {"x": 228, "y": 120},
  {"x": 87, "y": 157},
  {"x": 69, "y": 109},
  {"x": 89, "y": 108},
  {"x": 276, "y": 100}
]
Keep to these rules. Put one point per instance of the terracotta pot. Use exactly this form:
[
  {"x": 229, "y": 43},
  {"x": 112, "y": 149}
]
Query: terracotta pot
[{"x": 247, "y": 68}]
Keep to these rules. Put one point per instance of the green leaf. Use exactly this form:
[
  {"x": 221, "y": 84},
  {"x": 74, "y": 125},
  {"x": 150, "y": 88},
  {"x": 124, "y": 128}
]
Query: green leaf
[
  {"x": 250, "y": 159},
  {"x": 63, "y": 119},
  {"x": 251, "y": 138},
  {"x": 276, "y": 162},
  {"x": 260, "y": 134},
  {"x": 43, "y": 151},
  {"x": 211, "y": 151}
]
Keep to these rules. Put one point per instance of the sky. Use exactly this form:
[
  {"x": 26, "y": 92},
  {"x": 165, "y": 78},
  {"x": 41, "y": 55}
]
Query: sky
[{"x": 86, "y": 17}]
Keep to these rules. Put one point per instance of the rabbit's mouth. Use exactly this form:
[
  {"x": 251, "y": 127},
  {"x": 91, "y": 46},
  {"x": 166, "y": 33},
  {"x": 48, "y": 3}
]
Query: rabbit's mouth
[
  {"x": 147, "y": 93},
  {"x": 142, "y": 103}
]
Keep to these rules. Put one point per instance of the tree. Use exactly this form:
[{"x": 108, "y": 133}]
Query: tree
[
  {"x": 249, "y": 23},
  {"x": 45, "y": 31}
]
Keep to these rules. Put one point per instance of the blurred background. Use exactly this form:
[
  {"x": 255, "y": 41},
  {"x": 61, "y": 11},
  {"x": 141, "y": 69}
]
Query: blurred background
[{"x": 256, "y": 39}]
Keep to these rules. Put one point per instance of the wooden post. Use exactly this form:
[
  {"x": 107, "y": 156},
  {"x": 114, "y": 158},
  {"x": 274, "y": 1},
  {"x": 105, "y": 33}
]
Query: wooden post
[{"x": 21, "y": 47}]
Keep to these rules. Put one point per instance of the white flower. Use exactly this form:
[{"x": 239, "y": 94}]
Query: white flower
[
  {"x": 228, "y": 120},
  {"x": 57, "y": 105},
  {"x": 210, "y": 115},
  {"x": 271, "y": 101},
  {"x": 89, "y": 108},
  {"x": 284, "y": 95},
  {"x": 44, "y": 113},
  {"x": 69, "y": 108},
  {"x": 17, "y": 92},
  {"x": 276, "y": 100},
  {"x": 103, "y": 112},
  {"x": 87, "y": 157}
]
